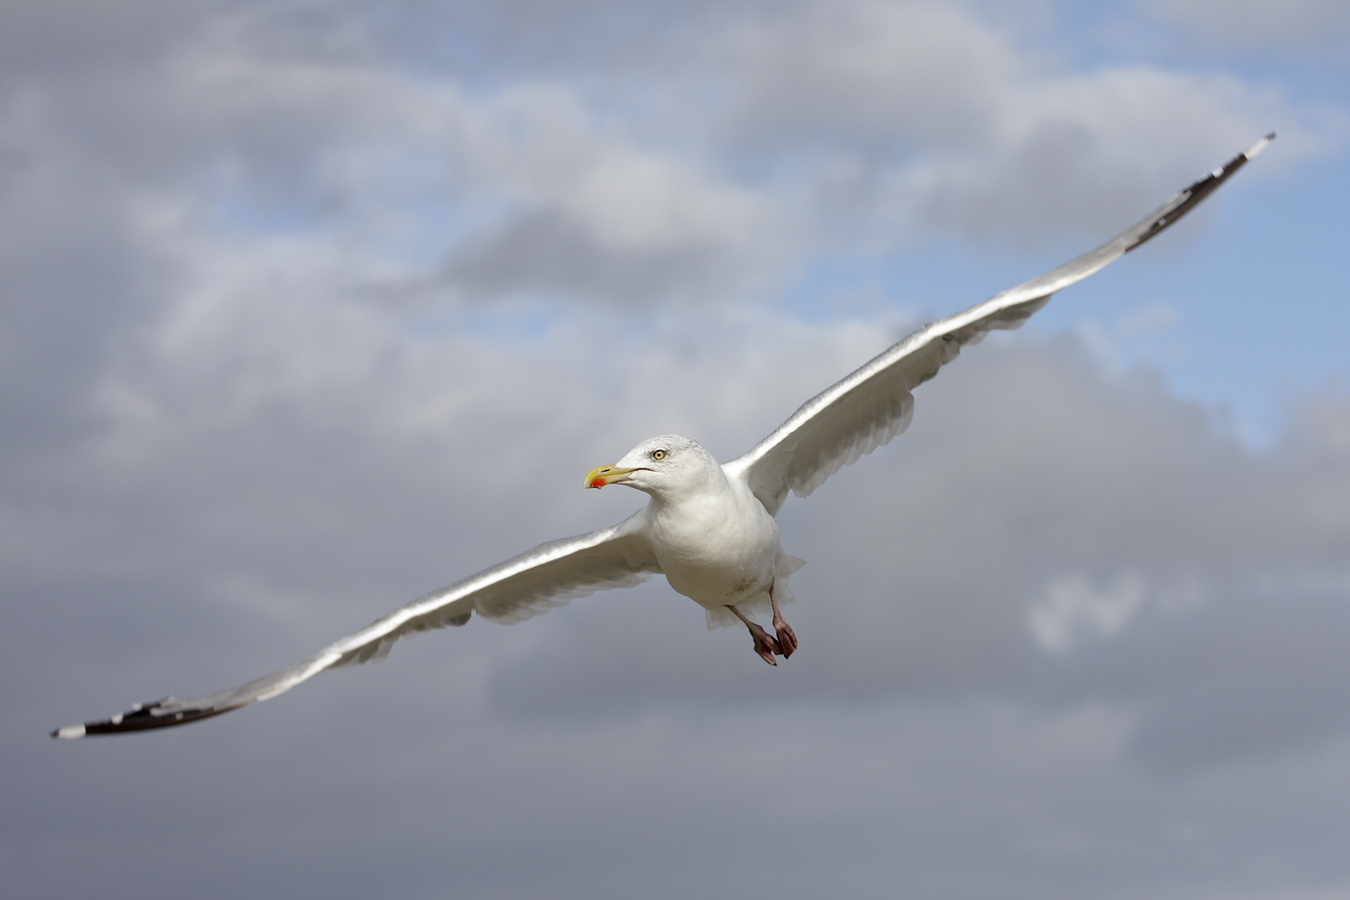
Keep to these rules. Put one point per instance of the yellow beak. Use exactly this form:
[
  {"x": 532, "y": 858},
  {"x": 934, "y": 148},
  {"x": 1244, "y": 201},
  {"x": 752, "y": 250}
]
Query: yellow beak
[{"x": 603, "y": 475}]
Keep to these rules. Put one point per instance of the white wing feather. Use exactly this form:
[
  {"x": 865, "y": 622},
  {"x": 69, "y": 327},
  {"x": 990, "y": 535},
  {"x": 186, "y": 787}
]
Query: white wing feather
[
  {"x": 524, "y": 586},
  {"x": 875, "y": 403}
]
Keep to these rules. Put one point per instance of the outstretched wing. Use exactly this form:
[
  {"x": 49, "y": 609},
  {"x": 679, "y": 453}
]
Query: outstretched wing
[
  {"x": 527, "y": 585},
  {"x": 875, "y": 403}
]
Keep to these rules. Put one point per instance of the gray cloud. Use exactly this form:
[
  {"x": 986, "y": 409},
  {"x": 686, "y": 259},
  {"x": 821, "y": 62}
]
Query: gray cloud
[
  {"x": 1300, "y": 23},
  {"x": 265, "y": 508},
  {"x": 722, "y": 166},
  {"x": 1066, "y": 637},
  {"x": 1022, "y": 467},
  {"x": 925, "y": 117},
  {"x": 550, "y": 253}
]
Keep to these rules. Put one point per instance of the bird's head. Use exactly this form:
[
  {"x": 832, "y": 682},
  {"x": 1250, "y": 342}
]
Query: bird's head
[{"x": 658, "y": 466}]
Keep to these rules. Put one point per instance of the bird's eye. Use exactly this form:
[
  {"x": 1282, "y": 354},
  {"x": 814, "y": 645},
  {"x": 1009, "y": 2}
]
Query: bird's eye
[{"x": 659, "y": 455}]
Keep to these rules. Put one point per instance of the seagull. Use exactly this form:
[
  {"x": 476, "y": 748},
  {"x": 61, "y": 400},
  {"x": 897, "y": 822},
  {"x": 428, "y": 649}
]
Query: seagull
[{"x": 708, "y": 527}]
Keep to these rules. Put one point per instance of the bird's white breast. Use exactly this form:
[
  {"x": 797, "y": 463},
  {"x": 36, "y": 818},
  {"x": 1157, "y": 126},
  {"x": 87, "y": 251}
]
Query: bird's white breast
[{"x": 718, "y": 546}]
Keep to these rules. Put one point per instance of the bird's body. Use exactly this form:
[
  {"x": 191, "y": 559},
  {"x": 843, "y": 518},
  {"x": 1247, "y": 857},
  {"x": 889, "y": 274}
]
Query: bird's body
[
  {"x": 714, "y": 540},
  {"x": 718, "y": 548},
  {"x": 709, "y": 528}
]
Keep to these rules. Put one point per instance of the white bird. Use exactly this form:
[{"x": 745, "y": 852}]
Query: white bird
[{"x": 708, "y": 528}]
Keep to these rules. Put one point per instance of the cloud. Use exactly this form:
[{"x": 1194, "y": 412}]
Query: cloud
[
  {"x": 598, "y": 216},
  {"x": 954, "y": 565},
  {"x": 927, "y": 117},
  {"x": 705, "y": 180},
  {"x": 912, "y": 75},
  {"x": 310, "y": 308},
  {"x": 240, "y": 429},
  {"x": 1253, "y": 23},
  {"x": 1073, "y": 608}
]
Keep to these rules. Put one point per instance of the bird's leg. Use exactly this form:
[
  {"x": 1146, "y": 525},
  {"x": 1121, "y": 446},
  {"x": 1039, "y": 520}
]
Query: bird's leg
[
  {"x": 787, "y": 638},
  {"x": 765, "y": 645}
]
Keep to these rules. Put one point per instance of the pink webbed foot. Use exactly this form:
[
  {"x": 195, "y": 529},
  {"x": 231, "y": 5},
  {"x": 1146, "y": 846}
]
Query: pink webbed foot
[
  {"x": 787, "y": 638},
  {"x": 765, "y": 645}
]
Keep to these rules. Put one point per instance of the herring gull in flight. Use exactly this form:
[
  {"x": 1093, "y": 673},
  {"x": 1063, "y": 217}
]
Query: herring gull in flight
[{"x": 708, "y": 528}]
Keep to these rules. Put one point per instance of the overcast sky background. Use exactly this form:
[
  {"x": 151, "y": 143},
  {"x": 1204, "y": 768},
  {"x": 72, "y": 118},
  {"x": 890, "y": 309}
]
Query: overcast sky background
[{"x": 307, "y": 308}]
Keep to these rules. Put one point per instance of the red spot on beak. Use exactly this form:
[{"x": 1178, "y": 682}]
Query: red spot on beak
[{"x": 598, "y": 483}]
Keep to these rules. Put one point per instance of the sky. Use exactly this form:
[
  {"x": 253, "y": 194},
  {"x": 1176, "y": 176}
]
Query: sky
[{"x": 309, "y": 307}]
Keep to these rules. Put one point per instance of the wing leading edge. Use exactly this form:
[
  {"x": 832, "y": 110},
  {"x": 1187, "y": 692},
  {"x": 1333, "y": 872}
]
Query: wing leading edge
[
  {"x": 522, "y": 587},
  {"x": 874, "y": 403}
]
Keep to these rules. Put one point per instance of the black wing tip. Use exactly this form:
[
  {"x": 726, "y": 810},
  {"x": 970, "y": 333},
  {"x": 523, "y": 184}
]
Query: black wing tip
[
  {"x": 1189, "y": 197},
  {"x": 1219, "y": 175},
  {"x": 142, "y": 717}
]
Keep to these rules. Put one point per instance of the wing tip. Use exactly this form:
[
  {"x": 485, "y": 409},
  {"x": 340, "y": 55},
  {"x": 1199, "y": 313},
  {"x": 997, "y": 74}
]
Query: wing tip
[
  {"x": 144, "y": 717},
  {"x": 1187, "y": 198},
  {"x": 1255, "y": 149}
]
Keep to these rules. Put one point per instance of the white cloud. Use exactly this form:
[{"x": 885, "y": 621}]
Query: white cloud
[
  {"x": 707, "y": 182},
  {"x": 1073, "y": 608},
  {"x": 926, "y": 116}
]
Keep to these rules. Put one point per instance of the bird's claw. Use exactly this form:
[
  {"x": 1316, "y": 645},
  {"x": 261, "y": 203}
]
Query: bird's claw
[
  {"x": 787, "y": 638},
  {"x": 766, "y": 646}
]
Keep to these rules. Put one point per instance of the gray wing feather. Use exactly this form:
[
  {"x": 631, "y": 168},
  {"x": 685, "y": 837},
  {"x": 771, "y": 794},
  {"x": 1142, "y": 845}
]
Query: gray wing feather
[
  {"x": 875, "y": 403},
  {"x": 524, "y": 586}
]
